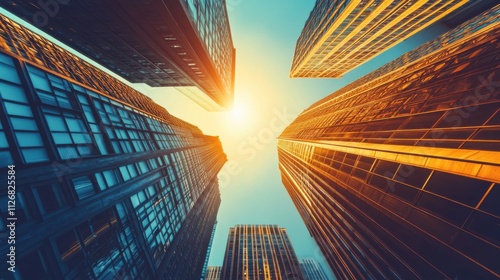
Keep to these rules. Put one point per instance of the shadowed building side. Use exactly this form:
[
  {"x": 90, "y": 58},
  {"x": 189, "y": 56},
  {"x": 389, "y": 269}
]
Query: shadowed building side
[
  {"x": 175, "y": 43},
  {"x": 396, "y": 175},
  {"x": 108, "y": 182}
]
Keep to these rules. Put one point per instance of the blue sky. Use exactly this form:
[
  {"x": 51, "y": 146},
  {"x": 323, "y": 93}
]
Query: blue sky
[{"x": 266, "y": 100}]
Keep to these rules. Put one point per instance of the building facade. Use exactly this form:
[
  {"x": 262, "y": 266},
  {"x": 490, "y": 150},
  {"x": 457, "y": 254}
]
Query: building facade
[
  {"x": 213, "y": 273},
  {"x": 260, "y": 252},
  {"x": 340, "y": 35},
  {"x": 107, "y": 183},
  {"x": 397, "y": 175},
  {"x": 179, "y": 43},
  {"x": 312, "y": 270}
]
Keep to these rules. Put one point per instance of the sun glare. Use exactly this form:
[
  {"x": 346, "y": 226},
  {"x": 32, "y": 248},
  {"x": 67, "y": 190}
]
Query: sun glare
[{"x": 240, "y": 113}]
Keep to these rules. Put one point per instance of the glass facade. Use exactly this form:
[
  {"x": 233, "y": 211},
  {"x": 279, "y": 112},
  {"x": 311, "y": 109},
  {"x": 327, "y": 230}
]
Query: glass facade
[
  {"x": 213, "y": 273},
  {"x": 109, "y": 184},
  {"x": 396, "y": 175},
  {"x": 181, "y": 43},
  {"x": 259, "y": 252},
  {"x": 343, "y": 34},
  {"x": 312, "y": 270}
]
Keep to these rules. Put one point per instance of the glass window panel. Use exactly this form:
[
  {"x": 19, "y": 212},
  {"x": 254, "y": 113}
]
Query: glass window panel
[
  {"x": 39, "y": 78},
  {"x": 64, "y": 102},
  {"x": 81, "y": 138},
  {"x": 486, "y": 226},
  {"x": 88, "y": 114},
  {"x": 47, "y": 98},
  {"x": 83, "y": 187},
  {"x": 75, "y": 125},
  {"x": 491, "y": 203},
  {"x": 23, "y": 124},
  {"x": 110, "y": 176},
  {"x": 3, "y": 140},
  {"x": 32, "y": 155},
  {"x": 5, "y": 157},
  {"x": 29, "y": 139},
  {"x": 56, "y": 123},
  {"x": 124, "y": 172},
  {"x": 132, "y": 170},
  {"x": 9, "y": 73},
  {"x": 100, "y": 181},
  {"x": 459, "y": 188},
  {"x": 100, "y": 144},
  {"x": 12, "y": 92},
  {"x": 18, "y": 109},
  {"x": 84, "y": 150},
  {"x": 61, "y": 138},
  {"x": 443, "y": 208},
  {"x": 67, "y": 152}
]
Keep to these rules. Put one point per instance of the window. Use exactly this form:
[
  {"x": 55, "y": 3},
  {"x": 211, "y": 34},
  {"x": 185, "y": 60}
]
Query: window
[
  {"x": 69, "y": 133},
  {"x": 51, "y": 197},
  {"x": 459, "y": 188},
  {"x": 83, "y": 187},
  {"x": 20, "y": 116}
]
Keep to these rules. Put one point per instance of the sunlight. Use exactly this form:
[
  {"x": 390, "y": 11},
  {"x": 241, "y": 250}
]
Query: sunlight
[{"x": 240, "y": 114}]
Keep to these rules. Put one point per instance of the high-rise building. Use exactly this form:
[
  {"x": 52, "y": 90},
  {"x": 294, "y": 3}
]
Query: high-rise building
[
  {"x": 213, "y": 273},
  {"x": 312, "y": 270},
  {"x": 397, "y": 175},
  {"x": 107, "y": 183},
  {"x": 340, "y": 35},
  {"x": 259, "y": 252},
  {"x": 177, "y": 43}
]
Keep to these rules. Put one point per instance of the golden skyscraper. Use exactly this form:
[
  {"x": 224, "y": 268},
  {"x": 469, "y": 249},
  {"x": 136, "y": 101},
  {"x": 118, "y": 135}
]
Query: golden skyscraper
[
  {"x": 397, "y": 175},
  {"x": 342, "y": 34}
]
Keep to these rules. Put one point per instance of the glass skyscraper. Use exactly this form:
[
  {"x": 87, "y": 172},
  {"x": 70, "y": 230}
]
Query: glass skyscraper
[
  {"x": 177, "y": 43},
  {"x": 260, "y": 252},
  {"x": 108, "y": 184},
  {"x": 213, "y": 273},
  {"x": 312, "y": 270},
  {"x": 340, "y": 35},
  {"x": 397, "y": 175}
]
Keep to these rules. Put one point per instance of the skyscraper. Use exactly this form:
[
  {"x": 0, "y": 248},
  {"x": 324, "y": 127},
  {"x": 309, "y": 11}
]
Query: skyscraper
[
  {"x": 106, "y": 182},
  {"x": 259, "y": 252},
  {"x": 175, "y": 43},
  {"x": 312, "y": 270},
  {"x": 340, "y": 35},
  {"x": 396, "y": 175},
  {"x": 213, "y": 273}
]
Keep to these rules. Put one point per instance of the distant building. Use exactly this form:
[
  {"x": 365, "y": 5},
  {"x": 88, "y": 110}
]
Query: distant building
[
  {"x": 175, "y": 43},
  {"x": 257, "y": 252},
  {"x": 108, "y": 183},
  {"x": 213, "y": 273},
  {"x": 397, "y": 175},
  {"x": 340, "y": 35},
  {"x": 312, "y": 270}
]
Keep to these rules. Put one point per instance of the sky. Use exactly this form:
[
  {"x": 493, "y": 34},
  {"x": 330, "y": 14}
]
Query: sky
[{"x": 266, "y": 100}]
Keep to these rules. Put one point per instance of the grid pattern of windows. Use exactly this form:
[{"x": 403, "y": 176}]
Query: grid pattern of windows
[
  {"x": 188, "y": 43},
  {"x": 20, "y": 117},
  {"x": 107, "y": 189},
  {"x": 213, "y": 273},
  {"x": 260, "y": 252},
  {"x": 383, "y": 173},
  {"x": 312, "y": 270},
  {"x": 342, "y": 34}
]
